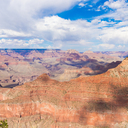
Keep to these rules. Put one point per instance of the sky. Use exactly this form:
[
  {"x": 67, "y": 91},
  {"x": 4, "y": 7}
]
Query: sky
[{"x": 96, "y": 25}]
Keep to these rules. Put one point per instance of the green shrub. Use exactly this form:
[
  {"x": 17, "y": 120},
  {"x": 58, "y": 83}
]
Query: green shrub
[{"x": 3, "y": 124}]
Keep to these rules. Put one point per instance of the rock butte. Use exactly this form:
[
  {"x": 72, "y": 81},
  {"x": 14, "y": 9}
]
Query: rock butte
[{"x": 95, "y": 101}]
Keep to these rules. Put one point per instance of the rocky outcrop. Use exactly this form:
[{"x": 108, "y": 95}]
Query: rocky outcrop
[
  {"x": 74, "y": 73},
  {"x": 99, "y": 56},
  {"x": 51, "y": 54},
  {"x": 24, "y": 64},
  {"x": 120, "y": 54},
  {"x": 34, "y": 54},
  {"x": 86, "y": 71},
  {"x": 72, "y": 51},
  {"x": 97, "y": 101},
  {"x": 11, "y": 53}
]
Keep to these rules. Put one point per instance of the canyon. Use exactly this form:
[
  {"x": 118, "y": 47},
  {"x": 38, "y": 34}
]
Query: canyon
[
  {"x": 70, "y": 89},
  {"x": 18, "y": 66}
]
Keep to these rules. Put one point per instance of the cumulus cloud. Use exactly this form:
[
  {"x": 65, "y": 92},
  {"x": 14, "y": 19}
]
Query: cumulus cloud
[
  {"x": 15, "y": 43},
  {"x": 20, "y": 15},
  {"x": 121, "y": 46},
  {"x": 119, "y": 9},
  {"x": 84, "y": 42},
  {"x": 79, "y": 32},
  {"x": 115, "y": 4},
  {"x": 114, "y": 35},
  {"x": 35, "y": 41},
  {"x": 82, "y": 4},
  {"x": 11, "y": 33},
  {"x": 31, "y": 19},
  {"x": 106, "y": 46},
  {"x": 58, "y": 29}
]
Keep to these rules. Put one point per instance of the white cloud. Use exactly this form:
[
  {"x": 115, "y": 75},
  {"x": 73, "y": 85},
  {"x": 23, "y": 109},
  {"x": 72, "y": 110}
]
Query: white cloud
[
  {"x": 115, "y": 4},
  {"x": 20, "y": 15},
  {"x": 10, "y": 43},
  {"x": 79, "y": 32},
  {"x": 120, "y": 9},
  {"x": 82, "y": 4},
  {"x": 35, "y": 41},
  {"x": 84, "y": 42},
  {"x": 12, "y": 33},
  {"x": 15, "y": 43},
  {"x": 121, "y": 24},
  {"x": 95, "y": 21},
  {"x": 121, "y": 46},
  {"x": 106, "y": 46},
  {"x": 29, "y": 18},
  {"x": 114, "y": 35},
  {"x": 57, "y": 29}
]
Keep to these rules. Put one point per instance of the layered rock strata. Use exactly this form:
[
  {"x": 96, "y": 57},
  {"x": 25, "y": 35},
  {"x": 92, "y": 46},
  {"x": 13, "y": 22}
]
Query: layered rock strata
[{"x": 95, "y": 101}]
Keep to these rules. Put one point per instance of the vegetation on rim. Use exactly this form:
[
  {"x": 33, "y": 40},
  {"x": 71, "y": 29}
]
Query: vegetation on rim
[{"x": 3, "y": 124}]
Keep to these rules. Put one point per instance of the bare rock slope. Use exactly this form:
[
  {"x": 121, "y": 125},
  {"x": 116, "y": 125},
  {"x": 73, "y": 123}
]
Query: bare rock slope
[{"x": 95, "y": 101}]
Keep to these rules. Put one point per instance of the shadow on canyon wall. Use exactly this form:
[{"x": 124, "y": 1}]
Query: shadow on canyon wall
[
  {"x": 100, "y": 106},
  {"x": 10, "y": 85}
]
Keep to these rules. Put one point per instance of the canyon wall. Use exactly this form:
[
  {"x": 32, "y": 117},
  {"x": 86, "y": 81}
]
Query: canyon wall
[{"x": 94, "y": 101}]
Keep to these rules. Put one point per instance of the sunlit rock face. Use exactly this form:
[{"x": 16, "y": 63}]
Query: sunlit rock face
[
  {"x": 94, "y": 101},
  {"x": 18, "y": 66}
]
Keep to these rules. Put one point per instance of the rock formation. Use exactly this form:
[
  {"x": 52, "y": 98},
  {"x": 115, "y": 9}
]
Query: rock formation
[
  {"x": 120, "y": 54},
  {"x": 25, "y": 64},
  {"x": 94, "y": 101},
  {"x": 99, "y": 56},
  {"x": 33, "y": 54}
]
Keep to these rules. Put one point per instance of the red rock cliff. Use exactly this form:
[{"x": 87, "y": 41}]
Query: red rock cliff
[{"x": 99, "y": 101}]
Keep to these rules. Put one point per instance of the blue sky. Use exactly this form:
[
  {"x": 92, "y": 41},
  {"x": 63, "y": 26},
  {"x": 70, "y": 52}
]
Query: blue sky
[{"x": 97, "y": 25}]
